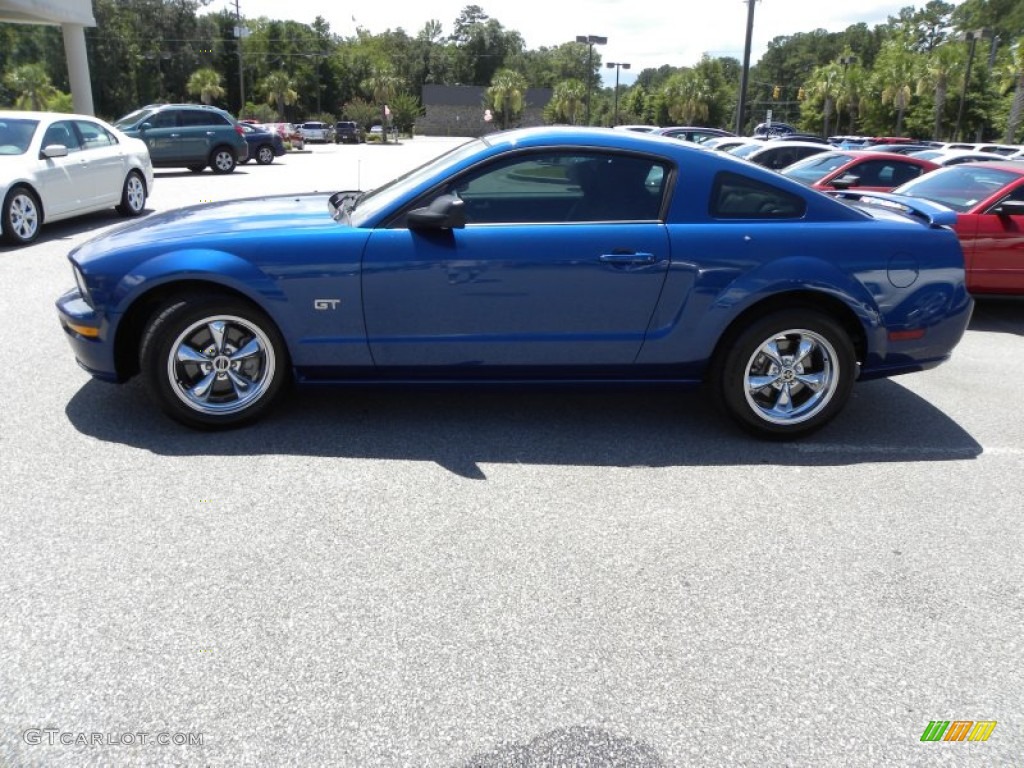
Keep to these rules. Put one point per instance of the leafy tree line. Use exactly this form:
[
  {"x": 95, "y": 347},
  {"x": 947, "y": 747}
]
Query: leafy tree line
[{"x": 904, "y": 77}]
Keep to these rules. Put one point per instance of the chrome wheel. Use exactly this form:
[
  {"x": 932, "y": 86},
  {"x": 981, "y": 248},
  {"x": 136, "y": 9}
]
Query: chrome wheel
[
  {"x": 21, "y": 216},
  {"x": 265, "y": 155},
  {"x": 786, "y": 374},
  {"x": 221, "y": 365},
  {"x": 791, "y": 376}
]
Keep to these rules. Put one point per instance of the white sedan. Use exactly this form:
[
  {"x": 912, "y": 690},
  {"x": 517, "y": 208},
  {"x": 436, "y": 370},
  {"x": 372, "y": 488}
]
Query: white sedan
[{"x": 54, "y": 166}]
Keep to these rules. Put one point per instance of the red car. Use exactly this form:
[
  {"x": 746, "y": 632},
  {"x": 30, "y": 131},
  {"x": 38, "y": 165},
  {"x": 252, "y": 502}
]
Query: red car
[
  {"x": 989, "y": 200},
  {"x": 862, "y": 170}
]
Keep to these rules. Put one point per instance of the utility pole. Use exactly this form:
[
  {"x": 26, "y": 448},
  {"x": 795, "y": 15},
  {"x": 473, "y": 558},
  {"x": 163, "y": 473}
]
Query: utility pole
[
  {"x": 239, "y": 34},
  {"x": 742, "y": 107}
]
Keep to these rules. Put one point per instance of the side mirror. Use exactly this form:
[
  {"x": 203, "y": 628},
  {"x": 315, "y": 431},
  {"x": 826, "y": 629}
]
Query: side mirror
[
  {"x": 846, "y": 181},
  {"x": 54, "y": 150},
  {"x": 1009, "y": 208},
  {"x": 144, "y": 127},
  {"x": 444, "y": 212}
]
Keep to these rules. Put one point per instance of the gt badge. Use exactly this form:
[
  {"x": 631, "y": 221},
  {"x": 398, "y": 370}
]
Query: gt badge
[{"x": 324, "y": 304}]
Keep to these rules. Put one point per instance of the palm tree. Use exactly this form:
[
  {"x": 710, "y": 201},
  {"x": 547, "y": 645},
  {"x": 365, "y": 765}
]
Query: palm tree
[
  {"x": 567, "y": 99},
  {"x": 507, "y": 96},
  {"x": 687, "y": 97},
  {"x": 895, "y": 72},
  {"x": 279, "y": 91},
  {"x": 382, "y": 86},
  {"x": 205, "y": 83},
  {"x": 1013, "y": 80},
  {"x": 851, "y": 95},
  {"x": 32, "y": 85},
  {"x": 826, "y": 83},
  {"x": 943, "y": 71}
]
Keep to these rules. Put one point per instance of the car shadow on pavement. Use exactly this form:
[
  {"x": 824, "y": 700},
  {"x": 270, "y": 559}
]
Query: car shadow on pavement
[
  {"x": 463, "y": 429},
  {"x": 998, "y": 315}
]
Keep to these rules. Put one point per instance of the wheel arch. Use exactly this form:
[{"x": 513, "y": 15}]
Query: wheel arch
[
  {"x": 35, "y": 193},
  {"x": 143, "y": 309},
  {"x": 824, "y": 303}
]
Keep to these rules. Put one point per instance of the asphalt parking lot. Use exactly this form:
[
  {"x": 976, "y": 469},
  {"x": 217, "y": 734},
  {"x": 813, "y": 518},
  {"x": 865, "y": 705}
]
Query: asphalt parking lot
[{"x": 499, "y": 578}]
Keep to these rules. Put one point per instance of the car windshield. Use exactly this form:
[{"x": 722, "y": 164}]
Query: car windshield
[
  {"x": 746, "y": 149},
  {"x": 960, "y": 188},
  {"x": 132, "y": 119},
  {"x": 371, "y": 203},
  {"x": 16, "y": 135},
  {"x": 816, "y": 167}
]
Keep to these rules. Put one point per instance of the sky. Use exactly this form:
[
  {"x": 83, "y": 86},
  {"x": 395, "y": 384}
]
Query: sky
[{"x": 643, "y": 33}]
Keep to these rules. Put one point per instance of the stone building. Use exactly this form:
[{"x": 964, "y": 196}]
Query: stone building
[{"x": 458, "y": 110}]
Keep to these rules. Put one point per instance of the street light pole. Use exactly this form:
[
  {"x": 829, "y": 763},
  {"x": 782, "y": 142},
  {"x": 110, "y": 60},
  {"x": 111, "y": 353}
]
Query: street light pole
[
  {"x": 617, "y": 65},
  {"x": 971, "y": 36},
  {"x": 590, "y": 41}
]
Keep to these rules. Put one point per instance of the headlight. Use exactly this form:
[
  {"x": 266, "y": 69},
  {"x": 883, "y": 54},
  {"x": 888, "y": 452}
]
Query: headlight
[{"x": 80, "y": 282}]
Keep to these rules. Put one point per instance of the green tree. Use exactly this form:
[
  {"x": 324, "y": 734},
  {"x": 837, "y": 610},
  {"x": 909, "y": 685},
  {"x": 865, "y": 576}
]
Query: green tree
[
  {"x": 942, "y": 71},
  {"x": 205, "y": 83},
  {"x": 507, "y": 97},
  {"x": 567, "y": 101},
  {"x": 360, "y": 111},
  {"x": 895, "y": 75},
  {"x": 383, "y": 85},
  {"x": 279, "y": 91},
  {"x": 825, "y": 86},
  {"x": 1013, "y": 80},
  {"x": 405, "y": 109},
  {"x": 31, "y": 85},
  {"x": 687, "y": 97}
]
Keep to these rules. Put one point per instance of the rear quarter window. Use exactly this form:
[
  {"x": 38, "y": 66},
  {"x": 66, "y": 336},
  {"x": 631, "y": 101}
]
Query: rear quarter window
[{"x": 737, "y": 197}]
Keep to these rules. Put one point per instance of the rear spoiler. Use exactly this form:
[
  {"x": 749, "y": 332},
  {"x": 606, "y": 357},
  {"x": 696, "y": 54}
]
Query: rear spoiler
[{"x": 933, "y": 214}]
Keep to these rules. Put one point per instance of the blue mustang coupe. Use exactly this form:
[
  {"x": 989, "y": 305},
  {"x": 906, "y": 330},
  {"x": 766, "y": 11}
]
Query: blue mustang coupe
[{"x": 530, "y": 256}]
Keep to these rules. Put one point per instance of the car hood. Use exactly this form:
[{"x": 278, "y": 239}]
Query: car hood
[{"x": 209, "y": 225}]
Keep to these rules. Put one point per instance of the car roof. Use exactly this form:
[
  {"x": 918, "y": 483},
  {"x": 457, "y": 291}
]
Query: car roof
[{"x": 791, "y": 144}]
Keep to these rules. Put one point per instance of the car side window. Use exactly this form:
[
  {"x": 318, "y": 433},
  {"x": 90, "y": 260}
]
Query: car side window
[
  {"x": 737, "y": 197},
  {"x": 62, "y": 132},
  {"x": 94, "y": 136},
  {"x": 165, "y": 119},
  {"x": 559, "y": 187},
  {"x": 194, "y": 117}
]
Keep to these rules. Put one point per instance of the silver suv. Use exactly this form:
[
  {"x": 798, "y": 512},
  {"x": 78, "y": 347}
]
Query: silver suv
[
  {"x": 188, "y": 135},
  {"x": 315, "y": 131}
]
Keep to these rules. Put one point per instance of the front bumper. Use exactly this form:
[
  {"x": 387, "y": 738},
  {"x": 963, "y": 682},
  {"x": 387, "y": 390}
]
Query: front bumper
[{"x": 89, "y": 334}]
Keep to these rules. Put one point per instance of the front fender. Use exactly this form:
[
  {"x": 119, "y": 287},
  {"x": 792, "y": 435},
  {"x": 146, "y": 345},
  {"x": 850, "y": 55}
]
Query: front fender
[{"x": 210, "y": 266}]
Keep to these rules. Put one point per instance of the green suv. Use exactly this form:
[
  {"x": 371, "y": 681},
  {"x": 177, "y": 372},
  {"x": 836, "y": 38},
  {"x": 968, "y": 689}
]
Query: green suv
[{"x": 189, "y": 135}]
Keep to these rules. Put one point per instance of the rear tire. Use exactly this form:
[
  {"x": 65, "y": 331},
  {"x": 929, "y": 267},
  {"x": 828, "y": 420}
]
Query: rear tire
[
  {"x": 213, "y": 362},
  {"x": 265, "y": 154},
  {"x": 786, "y": 375}
]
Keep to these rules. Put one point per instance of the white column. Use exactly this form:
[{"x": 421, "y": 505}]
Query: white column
[{"x": 78, "y": 68}]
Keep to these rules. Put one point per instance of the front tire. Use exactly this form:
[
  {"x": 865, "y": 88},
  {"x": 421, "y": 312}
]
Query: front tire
[
  {"x": 222, "y": 160},
  {"x": 133, "y": 196},
  {"x": 22, "y": 216},
  {"x": 786, "y": 375},
  {"x": 213, "y": 362}
]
